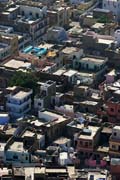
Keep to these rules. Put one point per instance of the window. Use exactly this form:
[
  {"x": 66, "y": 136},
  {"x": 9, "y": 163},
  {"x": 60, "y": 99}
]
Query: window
[
  {"x": 37, "y": 15},
  {"x": 30, "y": 13},
  {"x": 115, "y": 133},
  {"x": 112, "y": 110},
  {"x": 23, "y": 13},
  {"x": 113, "y": 146},
  {"x": 87, "y": 66},
  {"x": 81, "y": 143},
  {"x": 90, "y": 143},
  {"x": 86, "y": 144},
  {"x": 15, "y": 157},
  {"x": 39, "y": 104},
  {"x": 26, "y": 158},
  {"x": 74, "y": 57},
  {"x": 76, "y": 63}
]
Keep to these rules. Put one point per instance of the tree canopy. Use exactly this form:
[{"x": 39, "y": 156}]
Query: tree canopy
[{"x": 26, "y": 80}]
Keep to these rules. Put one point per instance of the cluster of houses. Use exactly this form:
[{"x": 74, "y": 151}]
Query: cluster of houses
[{"x": 68, "y": 125}]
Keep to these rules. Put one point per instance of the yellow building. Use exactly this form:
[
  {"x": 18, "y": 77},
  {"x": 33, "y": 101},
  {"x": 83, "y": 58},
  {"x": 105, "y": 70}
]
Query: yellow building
[{"x": 12, "y": 41}]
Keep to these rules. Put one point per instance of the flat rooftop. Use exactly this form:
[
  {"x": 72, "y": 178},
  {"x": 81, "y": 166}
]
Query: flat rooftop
[
  {"x": 56, "y": 170},
  {"x": 16, "y": 64},
  {"x": 17, "y": 146},
  {"x": 98, "y": 25},
  {"x": 28, "y": 133},
  {"x": 51, "y": 117},
  {"x": 10, "y": 131},
  {"x": 85, "y": 74},
  {"x": 69, "y": 50},
  {"x": 20, "y": 95},
  {"x": 5, "y": 172},
  {"x": 89, "y": 103},
  {"x": 70, "y": 73},
  {"x": 37, "y": 123},
  {"x": 97, "y": 175},
  {"x": 59, "y": 72},
  {"x": 105, "y": 41},
  {"x": 95, "y": 60},
  {"x": 104, "y": 149},
  {"x": 62, "y": 140},
  {"x": 93, "y": 130},
  {"x": 76, "y": 125},
  {"x": 46, "y": 45},
  {"x": 12, "y": 9},
  {"x": 116, "y": 127}
]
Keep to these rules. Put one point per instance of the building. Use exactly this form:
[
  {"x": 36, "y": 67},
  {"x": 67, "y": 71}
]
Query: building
[
  {"x": 113, "y": 6},
  {"x": 44, "y": 98},
  {"x": 88, "y": 140},
  {"x": 8, "y": 45},
  {"x": 114, "y": 142},
  {"x": 56, "y": 34},
  {"x": 16, "y": 152},
  {"x": 63, "y": 142},
  {"x": 59, "y": 15},
  {"x": 89, "y": 106},
  {"x": 16, "y": 64},
  {"x": 97, "y": 43},
  {"x": 71, "y": 55},
  {"x": 92, "y": 67},
  {"x": 18, "y": 101},
  {"x": 55, "y": 124},
  {"x": 115, "y": 168},
  {"x": 4, "y": 51},
  {"x": 27, "y": 18},
  {"x": 35, "y": 21},
  {"x": 97, "y": 12},
  {"x": 24, "y": 39},
  {"x": 92, "y": 63},
  {"x": 71, "y": 76},
  {"x": 113, "y": 107}
]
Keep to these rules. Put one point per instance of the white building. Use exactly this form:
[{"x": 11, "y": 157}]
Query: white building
[
  {"x": 116, "y": 132},
  {"x": 71, "y": 75},
  {"x": 113, "y": 6},
  {"x": 63, "y": 158},
  {"x": 19, "y": 102},
  {"x": 35, "y": 12}
]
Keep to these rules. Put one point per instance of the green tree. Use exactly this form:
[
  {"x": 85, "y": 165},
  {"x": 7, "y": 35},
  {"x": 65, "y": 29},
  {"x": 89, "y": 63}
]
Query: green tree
[
  {"x": 26, "y": 80},
  {"x": 103, "y": 19}
]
